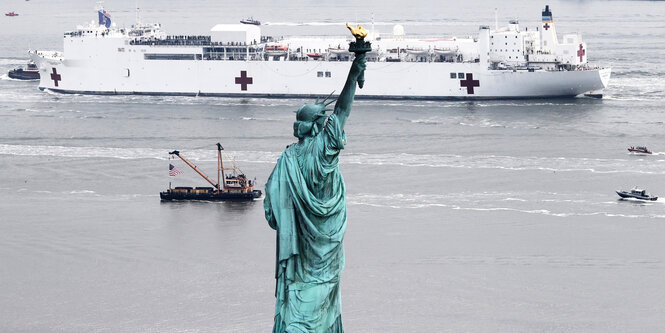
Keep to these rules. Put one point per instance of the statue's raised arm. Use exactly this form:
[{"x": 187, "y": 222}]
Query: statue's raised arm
[
  {"x": 345, "y": 100},
  {"x": 356, "y": 74}
]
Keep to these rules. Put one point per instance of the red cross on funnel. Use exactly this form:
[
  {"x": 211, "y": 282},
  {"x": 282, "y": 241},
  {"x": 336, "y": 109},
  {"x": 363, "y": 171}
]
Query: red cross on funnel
[{"x": 581, "y": 52}]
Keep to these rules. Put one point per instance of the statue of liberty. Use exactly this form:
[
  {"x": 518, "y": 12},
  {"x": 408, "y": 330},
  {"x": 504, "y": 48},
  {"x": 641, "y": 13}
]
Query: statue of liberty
[{"x": 306, "y": 204}]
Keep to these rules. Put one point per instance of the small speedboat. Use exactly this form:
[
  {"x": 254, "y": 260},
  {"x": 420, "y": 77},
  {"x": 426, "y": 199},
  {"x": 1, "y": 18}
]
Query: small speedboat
[
  {"x": 250, "y": 20},
  {"x": 11, "y": 14},
  {"x": 639, "y": 150},
  {"x": 30, "y": 72},
  {"x": 636, "y": 193}
]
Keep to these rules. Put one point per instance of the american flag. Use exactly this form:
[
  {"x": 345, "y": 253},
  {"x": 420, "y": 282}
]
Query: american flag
[{"x": 173, "y": 171}]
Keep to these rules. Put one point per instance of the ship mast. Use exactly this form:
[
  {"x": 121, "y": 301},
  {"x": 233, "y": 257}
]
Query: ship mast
[
  {"x": 177, "y": 153},
  {"x": 138, "y": 15},
  {"x": 220, "y": 165}
]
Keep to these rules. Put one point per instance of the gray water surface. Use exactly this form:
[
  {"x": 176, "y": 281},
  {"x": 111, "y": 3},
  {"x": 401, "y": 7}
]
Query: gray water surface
[{"x": 492, "y": 216}]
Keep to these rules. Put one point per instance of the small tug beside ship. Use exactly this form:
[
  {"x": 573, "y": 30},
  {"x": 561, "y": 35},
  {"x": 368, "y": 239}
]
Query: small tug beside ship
[
  {"x": 230, "y": 186},
  {"x": 30, "y": 72}
]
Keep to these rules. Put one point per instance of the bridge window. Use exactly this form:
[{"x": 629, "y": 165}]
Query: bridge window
[
  {"x": 453, "y": 75},
  {"x": 460, "y": 75},
  {"x": 328, "y": 74},
  {"x": 319, "y": 74}
]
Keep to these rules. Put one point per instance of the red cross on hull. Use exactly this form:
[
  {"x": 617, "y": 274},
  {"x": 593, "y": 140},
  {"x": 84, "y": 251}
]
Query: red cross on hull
[
  {"x": 55, "y": 76},
  {"x": 469, "y": 83},
  {"x": 244, "y": 80},
  {"x": 546, "y": 26}
]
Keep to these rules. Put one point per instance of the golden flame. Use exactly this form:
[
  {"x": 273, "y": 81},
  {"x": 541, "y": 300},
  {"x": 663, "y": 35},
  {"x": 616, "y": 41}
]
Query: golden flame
[{"x": 358, "y": 32}]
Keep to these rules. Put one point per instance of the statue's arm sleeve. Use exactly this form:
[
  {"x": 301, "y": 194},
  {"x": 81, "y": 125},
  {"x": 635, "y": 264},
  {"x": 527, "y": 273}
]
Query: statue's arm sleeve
[
  {"x": 333, "y": 136},
  {"x": 345, "y": 100}
]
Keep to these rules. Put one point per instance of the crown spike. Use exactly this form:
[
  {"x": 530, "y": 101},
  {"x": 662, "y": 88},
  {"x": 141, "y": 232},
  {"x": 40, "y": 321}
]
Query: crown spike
[
  {"x": 331, "y": 101},
  {"x": 325, "y": 99}
]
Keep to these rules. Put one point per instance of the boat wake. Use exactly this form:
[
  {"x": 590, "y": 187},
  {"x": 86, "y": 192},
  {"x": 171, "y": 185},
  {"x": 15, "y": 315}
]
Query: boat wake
[{"x": 7, "y": 78}]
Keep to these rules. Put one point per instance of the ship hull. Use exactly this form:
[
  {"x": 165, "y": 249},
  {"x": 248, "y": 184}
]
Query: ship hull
[
  {"x": 132, "y": 75},
  {"x": 222, "y": 196}
]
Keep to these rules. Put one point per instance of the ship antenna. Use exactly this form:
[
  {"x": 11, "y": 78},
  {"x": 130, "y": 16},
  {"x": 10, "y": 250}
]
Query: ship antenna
[
  {"x": 496, "y": 20},
  {"x": 372, "y": 23},
  {"x": 138, "y": 14}
]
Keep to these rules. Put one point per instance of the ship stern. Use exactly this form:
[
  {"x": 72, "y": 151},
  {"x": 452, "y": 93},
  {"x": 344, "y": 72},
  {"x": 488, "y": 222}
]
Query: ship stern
[{"x": 604, "y": 77}]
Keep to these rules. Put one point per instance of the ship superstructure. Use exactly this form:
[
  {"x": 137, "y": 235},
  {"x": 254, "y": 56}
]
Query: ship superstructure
[{"x": 236, "y": 60}]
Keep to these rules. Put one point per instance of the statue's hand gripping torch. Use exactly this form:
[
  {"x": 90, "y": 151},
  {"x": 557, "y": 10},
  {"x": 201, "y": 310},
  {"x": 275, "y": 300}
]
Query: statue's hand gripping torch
[{"x": 360, "y": 46}]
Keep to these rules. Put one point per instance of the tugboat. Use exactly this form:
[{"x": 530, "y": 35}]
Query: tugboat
[
  {"x": 11, "y": 14},
  {"x": 250, "y": 20},
  {"x": 234, "y": 185},
  {"x": 30, "y": 72},
  {"x": 636, "y": 193},
  {"x": 639, "y": 150}
]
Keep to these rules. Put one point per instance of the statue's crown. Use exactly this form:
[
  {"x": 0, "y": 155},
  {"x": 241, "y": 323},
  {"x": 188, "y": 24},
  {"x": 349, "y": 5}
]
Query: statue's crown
[{"x": 311, "y": 112}]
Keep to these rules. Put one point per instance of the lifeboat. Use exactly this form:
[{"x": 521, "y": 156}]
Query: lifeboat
[
  {"x": 338, "y": 51},
  {"x": 11, "y": 14},
  {"x": 445, "y": 51},
  {"x": 417, "y": 51},
  {"x": 276, "y": 50},
  {"x": 315, "y": 56}
]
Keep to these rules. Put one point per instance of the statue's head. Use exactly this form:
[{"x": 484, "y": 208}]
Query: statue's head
[{"x": 310, "y": 118}]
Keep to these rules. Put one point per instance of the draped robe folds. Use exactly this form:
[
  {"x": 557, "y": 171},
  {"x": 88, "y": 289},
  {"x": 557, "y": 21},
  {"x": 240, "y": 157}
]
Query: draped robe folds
[{"x": 306, "y": 204}]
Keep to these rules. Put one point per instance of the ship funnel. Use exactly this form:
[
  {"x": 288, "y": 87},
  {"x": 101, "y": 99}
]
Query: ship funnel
[
  {"x": 484, "y": 45},
  {"x": 548, "y": 39},
  {"x": 547, "y": 13}
]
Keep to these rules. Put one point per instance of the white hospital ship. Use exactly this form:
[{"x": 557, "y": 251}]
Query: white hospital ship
[{"x": 235, "y": 60}]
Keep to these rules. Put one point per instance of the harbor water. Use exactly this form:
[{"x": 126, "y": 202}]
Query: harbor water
[{"x": 473, "y": 216}]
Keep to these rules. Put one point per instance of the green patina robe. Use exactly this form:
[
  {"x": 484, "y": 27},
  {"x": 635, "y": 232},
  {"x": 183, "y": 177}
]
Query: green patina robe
[{"x": 306, "y": 204}]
